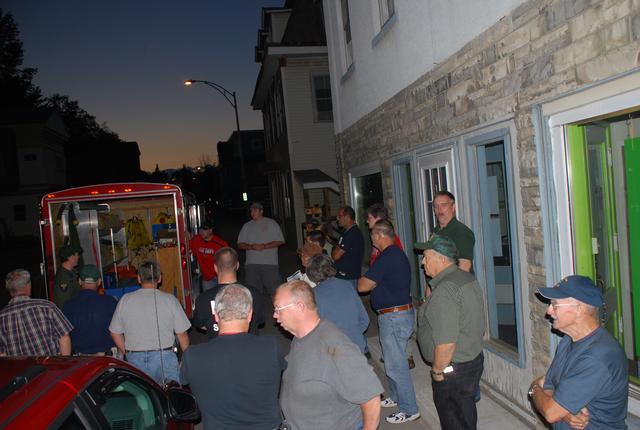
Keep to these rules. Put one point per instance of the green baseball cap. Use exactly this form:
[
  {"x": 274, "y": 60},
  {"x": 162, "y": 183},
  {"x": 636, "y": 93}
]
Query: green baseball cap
[
  {"x": 90, "y": 274},
  {"x": 441, "y": 244}
]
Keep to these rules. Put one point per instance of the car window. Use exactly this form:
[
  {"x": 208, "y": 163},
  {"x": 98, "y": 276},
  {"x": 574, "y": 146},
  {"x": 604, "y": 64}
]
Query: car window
[
  {"x": 72, "y": 422},
  {"x": 131, "y": 404}
]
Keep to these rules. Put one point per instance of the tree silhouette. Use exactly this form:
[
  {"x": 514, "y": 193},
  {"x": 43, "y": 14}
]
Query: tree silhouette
[{"x": 16, "y": 84}]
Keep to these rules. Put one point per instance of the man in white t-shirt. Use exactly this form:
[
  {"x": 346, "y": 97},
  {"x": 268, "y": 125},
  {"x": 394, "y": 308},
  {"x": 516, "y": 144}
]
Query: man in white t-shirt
[
  {"x": 260, "y": 238},
  {"x": 146, "y": 325}
]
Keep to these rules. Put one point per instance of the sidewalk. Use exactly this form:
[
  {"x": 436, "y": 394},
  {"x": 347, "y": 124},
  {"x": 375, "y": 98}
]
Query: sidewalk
[{"x": 491, "y": 415}]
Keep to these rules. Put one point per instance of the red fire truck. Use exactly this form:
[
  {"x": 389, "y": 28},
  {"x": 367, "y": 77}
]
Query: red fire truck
[{"x": 120, "y": 225}]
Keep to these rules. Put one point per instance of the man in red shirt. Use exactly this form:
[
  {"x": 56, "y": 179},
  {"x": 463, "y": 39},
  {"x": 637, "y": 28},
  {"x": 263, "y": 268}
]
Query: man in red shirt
[{"x": 204, "y": 247}]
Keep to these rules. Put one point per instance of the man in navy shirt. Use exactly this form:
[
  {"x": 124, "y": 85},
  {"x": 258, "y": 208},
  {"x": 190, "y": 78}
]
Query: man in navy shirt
[
  {"x": 90, "y": 313},
  {"x": 348, "y": 252},
  {"x": 587, "y": 383},
  {"x": 389, "y": 281}
]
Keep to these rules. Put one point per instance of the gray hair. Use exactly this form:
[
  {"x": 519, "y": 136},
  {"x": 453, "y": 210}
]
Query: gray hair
[
  {"x": 320, "y": 268},
  {"x": 451, "y": 260},
  {"x": 149, "y": 271},
  {"x": 301, "y": 292},
  {"x": 384, "y": 227},
  {"x": 16, "y": 280},
  {"x": 233, "y": 302}
]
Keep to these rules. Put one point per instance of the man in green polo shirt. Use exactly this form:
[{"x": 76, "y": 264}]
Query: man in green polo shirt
[
  {"x": 450, "y": 330},
  {"x": 66, "y": 285},
  {"x": 444, "y": 205}
]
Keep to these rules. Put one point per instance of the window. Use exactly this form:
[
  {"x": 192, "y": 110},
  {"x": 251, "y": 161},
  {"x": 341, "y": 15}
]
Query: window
[
  {"x": 322, "y": 96},
  {"x": 129, "y": 404},
  {"x": 19, "y": 213},
  {"x": 346, "y": 27},
  {"x": 30, "y": 157},
  {"x": 366, "y": 189},
  {"x": 387, "y": 9},
  {"x": 495, "y": 258}
]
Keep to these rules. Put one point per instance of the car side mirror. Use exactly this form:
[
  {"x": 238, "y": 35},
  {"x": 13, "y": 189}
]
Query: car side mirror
[{"x": 183, "y": 406}]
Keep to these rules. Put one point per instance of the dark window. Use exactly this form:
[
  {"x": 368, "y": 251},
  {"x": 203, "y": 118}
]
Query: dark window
[
  {"x": 322, "y": 95},
  {"x": 30, "y": 157}
]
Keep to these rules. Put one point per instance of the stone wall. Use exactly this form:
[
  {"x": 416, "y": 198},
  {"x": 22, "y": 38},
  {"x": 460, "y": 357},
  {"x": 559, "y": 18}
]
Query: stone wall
[{"x": 543, "y": 49}]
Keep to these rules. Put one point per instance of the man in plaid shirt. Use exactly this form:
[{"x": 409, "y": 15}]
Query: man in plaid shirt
[{"x": 29, "y": 326}]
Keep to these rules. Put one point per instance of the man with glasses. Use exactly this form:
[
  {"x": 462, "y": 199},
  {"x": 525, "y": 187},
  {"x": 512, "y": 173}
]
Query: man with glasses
[
  {"x": 328, "y": 383},
  {"x": 587, "y": 382}
]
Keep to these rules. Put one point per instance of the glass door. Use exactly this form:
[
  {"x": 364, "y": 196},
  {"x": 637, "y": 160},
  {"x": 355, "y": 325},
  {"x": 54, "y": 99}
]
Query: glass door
[{"x": 604, "y": 181}]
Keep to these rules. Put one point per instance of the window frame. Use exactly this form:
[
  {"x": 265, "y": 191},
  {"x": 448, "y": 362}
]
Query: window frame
[
  {"x": 472, "y": 143},
  {"x": 315, "y": 99}
]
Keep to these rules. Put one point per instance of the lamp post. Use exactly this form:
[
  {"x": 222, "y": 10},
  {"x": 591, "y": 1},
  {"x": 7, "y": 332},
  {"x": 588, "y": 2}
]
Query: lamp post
[{"x": 231, "y": 98}]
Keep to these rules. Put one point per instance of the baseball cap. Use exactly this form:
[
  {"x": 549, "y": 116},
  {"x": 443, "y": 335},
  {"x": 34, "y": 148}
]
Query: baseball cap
[
  {"x": 256, "y": 205},
  {"x": 440, "y": 244},
  {"x": 89, "y": 273},
  {"x": 577, "y": 287},
  {"x": 68, "y": 250}
]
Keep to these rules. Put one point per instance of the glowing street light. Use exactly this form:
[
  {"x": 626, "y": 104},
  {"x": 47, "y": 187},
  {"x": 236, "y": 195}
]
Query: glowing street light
[{"x": 231, "y": 98}]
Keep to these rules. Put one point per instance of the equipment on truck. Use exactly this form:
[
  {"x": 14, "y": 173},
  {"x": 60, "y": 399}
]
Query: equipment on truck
[{"x": 118, "y": 226}]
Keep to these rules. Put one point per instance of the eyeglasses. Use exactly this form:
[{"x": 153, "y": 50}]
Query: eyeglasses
[
  {"x": 277, "y": 310},
  {"x": 555, "y": 306}
]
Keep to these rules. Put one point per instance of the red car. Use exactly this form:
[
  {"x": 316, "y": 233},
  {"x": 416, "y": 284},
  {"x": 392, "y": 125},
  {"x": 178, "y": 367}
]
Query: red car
[{"x": 88, "y": 393}]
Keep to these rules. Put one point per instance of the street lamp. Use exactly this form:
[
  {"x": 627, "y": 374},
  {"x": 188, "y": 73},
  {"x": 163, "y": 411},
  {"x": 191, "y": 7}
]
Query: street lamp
[{"x": 231, "y": 98}]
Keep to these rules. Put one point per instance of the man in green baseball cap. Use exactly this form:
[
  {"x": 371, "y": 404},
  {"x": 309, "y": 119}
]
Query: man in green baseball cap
[
  {"x": 450, "y": 330},
  {"x": 65, "y": 282},
  {"x": 91, "y": 313}
]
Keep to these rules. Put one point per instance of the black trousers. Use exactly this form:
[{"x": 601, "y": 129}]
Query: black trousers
[{"x": 455, "y": 396}]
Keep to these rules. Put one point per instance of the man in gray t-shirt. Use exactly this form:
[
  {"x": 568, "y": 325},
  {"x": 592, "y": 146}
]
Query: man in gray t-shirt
[
  {"x": 328, "y": 383},
  {"x": 145, "y": 325},
  {"x": 260, "y": 238}
]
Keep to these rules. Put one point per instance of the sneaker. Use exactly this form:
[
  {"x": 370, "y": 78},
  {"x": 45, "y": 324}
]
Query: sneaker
[
  {"x": 388, "y": 403},
  {"x": 411, "y": 362},
  {"x": 401, "y": 417},
  {"x": 368, "y": 355}
]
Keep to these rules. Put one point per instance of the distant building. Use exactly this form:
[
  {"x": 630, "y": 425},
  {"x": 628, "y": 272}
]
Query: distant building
[
  {"x": 32, "y": 163},
  {"x": 253, "y": 152},
  {"x": 293, "y": 92}
]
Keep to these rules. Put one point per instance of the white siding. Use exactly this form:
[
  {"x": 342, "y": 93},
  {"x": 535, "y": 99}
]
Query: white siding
[
  {"x": 422, "y": 34},
  {"x": 311, "y": 144}
]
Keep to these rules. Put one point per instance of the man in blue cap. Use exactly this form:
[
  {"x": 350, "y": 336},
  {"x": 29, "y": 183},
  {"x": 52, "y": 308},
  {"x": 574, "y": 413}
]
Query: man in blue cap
[{"x": 587, "y": 383}]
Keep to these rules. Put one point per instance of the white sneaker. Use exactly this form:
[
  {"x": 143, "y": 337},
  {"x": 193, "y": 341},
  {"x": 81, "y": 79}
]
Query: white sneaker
[
  {"x": 388, "y": 403},
  {"x": 401, "y": 417}
]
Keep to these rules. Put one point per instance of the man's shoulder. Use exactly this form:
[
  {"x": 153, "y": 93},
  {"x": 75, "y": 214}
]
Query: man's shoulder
[
  {"x": 460, "y": 228},
  {"x": 208, "y": 295}
]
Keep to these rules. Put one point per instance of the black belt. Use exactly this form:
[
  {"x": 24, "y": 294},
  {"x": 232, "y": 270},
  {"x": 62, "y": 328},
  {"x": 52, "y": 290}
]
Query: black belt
[{"x": 169, "y": 348}]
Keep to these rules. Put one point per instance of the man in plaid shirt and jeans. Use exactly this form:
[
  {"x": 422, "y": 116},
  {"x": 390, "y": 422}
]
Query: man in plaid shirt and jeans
[{"x": 29, "y": 326}]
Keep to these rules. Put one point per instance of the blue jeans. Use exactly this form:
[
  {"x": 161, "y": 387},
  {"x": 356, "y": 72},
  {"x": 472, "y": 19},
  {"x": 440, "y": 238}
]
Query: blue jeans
[
  {"x": 149, "y": 362},
  {"x": 395, "y": 331},
  {"x": 455, "y": 396}
]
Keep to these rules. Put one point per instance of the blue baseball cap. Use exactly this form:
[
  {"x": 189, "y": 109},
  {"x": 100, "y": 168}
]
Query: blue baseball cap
[{"x": 577, "y": 287}]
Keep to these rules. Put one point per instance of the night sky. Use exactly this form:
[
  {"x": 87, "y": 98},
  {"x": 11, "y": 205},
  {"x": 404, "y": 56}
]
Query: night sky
[{"x": 125, "y": 63}]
